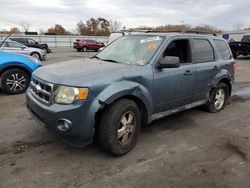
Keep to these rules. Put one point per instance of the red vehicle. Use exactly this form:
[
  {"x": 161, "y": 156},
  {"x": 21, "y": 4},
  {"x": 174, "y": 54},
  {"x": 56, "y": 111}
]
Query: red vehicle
[{"x": 85, "y": 45}]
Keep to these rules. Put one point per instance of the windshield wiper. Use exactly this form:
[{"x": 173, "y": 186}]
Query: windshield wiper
[
  {"x": 110, "y": 60},
  {"x": 96, "y": 57}
]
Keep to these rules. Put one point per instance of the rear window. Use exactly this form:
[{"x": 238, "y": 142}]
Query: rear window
[
  {"x": 203, "y": 51},
  {"x": 223, "y": 49}
]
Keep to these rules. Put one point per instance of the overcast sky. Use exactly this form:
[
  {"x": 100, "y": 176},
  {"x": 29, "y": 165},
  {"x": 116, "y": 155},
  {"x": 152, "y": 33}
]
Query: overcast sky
[{"x": 223, "y": 14}]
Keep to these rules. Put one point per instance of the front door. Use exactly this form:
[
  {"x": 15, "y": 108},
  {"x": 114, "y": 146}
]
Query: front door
[{"x": 174, "y": 87}]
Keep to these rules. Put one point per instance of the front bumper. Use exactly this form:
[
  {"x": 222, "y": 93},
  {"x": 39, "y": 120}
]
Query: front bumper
[{"x": 80, "y": 114}]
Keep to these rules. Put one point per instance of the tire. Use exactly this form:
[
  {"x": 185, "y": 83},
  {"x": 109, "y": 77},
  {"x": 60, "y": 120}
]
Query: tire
[
  {"x": 14, "y": 81},
  {"x": 85, "y": 49},
  {"x": 116, "y": 119},
  {"x": 218, "y": 98},
  {"x": 36, "y": 55}
]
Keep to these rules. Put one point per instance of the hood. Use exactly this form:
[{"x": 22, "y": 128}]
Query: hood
[{"x": 85, "y": 72}]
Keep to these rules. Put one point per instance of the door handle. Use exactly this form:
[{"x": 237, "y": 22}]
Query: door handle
[
  {"x": 216, "y": 68},
  {"x": 188, "y": 73}
]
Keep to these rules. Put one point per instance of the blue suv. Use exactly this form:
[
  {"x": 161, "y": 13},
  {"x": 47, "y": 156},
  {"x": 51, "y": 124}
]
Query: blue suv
[
  {"x": 133, "y": 81},
  {"x": 15, "y": 72}
]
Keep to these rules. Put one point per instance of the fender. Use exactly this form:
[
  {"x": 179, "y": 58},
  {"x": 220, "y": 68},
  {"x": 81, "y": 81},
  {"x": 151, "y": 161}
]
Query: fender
[
  {"x": 125, "y": 88},
  {"x": 14, "y": 64},
  {"x": 223, "y": 74}
]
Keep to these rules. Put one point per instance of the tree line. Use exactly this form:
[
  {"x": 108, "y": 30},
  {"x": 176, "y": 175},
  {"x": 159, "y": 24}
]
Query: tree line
[{"x": 103, "y": 27}]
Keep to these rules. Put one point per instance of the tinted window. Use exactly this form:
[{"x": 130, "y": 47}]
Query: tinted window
[
  {"x": 246, "y": 38},
  {"x": 223, "y": 49},
  {"x": 203, "y": 51},
  {"x": 90, "y": 41},
  {"x": 18, "y": 39}
]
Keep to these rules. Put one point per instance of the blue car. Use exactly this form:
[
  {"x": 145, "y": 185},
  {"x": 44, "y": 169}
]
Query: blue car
[{"x": 15, "y": 72}]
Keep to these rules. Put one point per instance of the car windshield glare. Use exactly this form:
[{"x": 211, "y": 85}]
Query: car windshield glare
[{"x": 132, "y": 49}]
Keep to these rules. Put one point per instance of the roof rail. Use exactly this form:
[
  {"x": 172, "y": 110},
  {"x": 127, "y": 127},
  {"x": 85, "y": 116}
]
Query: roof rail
[{"x": 186, "y": 31}]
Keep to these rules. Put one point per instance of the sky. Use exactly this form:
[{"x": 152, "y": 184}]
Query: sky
[{"x": 42, "y": 14}]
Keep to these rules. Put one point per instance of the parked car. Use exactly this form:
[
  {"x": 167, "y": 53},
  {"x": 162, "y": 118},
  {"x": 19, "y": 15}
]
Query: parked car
[
  {"x": 135, "y": 80},
  {"x": 29, "y": 42},
  {"x": 85, "y": 45},
  {"x": 242, "y": 47},
  {"x": 15, "y": 47},
  {"x": 15, "y": 72}
]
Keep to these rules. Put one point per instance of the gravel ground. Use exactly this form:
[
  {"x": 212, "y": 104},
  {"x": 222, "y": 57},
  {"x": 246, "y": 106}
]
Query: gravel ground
[{"x": 189, "y": 149}]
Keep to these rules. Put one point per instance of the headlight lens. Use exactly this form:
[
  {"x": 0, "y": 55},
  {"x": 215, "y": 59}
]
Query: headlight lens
[{"x": 68, "y": 95}]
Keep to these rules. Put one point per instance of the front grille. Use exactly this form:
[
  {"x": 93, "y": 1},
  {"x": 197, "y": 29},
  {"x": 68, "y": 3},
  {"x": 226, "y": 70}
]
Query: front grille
[{"x": 41, "y": 90}]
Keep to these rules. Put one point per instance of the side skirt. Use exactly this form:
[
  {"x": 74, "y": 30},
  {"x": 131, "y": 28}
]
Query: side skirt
[{"x": 177, "y": 110}]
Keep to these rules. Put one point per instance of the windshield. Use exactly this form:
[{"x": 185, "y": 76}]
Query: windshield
[{"x": 131, "y": 49}]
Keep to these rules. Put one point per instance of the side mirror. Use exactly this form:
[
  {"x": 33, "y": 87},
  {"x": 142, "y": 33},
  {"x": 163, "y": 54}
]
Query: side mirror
[
  {"x": 169, "y": 62},
  {"x": 22, "y": 48}
]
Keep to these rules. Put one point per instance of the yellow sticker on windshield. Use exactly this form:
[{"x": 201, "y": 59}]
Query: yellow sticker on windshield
[{"x": 152, "y": 46}]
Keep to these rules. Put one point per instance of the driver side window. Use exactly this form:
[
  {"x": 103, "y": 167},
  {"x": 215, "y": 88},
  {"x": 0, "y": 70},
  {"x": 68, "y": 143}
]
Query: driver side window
[{"x": 179, "y": 48}]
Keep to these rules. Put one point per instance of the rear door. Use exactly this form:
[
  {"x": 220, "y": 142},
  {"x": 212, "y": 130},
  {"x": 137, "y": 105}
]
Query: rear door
[{"x": 206, "y": 67}]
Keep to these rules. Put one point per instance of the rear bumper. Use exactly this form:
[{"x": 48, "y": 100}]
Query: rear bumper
[{"x": 82, "y": 130}]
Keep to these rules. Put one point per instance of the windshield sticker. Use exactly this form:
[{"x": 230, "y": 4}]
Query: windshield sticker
[
  {"x": 152, "y": 46},
  {"x": 151, "y": 39}
]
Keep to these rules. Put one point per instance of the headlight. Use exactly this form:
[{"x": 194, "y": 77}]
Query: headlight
[{"x": 68, "y": 95}]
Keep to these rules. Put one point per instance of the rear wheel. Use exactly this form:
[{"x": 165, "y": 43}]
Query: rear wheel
[
  {"x": 14, "y": 81},
  {"x": 218, "y": 97},
  {"x": 119, "y": 128}
]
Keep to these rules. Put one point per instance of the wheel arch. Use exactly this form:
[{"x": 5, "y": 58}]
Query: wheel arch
[
  {"x": 228, "y": 82},
  {"x": 15, "y": 67}
]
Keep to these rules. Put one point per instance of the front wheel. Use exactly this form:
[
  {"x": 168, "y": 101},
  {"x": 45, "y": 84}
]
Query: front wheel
[
  {"x": 218, "y": 97},
  {"x": 119, "y": 128},
  {"x": 14, "y": 81}
]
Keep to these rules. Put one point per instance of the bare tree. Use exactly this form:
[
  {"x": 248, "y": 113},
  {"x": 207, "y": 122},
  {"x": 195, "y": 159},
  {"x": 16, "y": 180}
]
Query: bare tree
[
  {"x": 238, "y": 26},
  {"x": 25, "y": 25},
  {"x": 114, "y": 25}
]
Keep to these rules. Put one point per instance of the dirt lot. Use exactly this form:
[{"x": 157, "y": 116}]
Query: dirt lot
[{"x": 190, "y": 149}]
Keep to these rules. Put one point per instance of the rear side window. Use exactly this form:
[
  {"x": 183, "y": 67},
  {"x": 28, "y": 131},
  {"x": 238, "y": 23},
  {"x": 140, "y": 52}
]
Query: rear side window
[
  {"x": 246, "y": 38},
  {"x": 203, "y": 51},
  {"x": 223, "y": 49}
]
